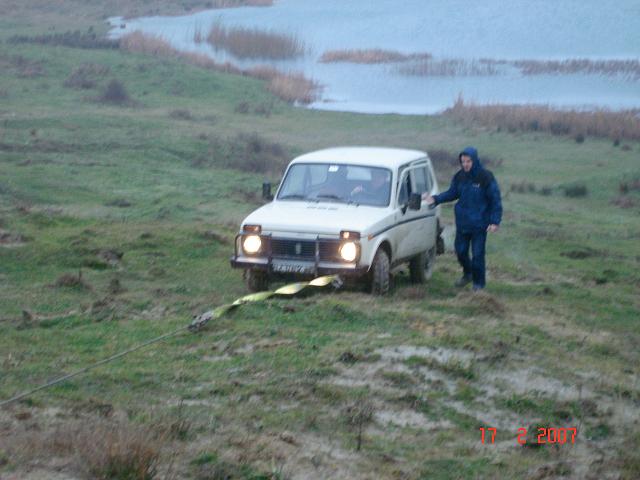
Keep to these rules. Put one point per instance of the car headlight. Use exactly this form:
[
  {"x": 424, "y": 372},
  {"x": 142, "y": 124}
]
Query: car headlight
[
  {"x": 349, "y": 251},
  {"x": 251, "y": 244}
]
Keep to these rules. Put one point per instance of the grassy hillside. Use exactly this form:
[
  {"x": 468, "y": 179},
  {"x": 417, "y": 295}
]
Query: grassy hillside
[{"x": 118, "y": 206}]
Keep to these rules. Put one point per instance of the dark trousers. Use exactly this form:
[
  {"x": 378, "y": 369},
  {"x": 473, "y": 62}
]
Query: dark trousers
[{"x": 474, "y": 267}]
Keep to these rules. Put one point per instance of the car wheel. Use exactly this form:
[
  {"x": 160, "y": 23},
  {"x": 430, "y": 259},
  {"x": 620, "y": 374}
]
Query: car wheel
[
  {"x": 380, "y": 276},
  {"x": 256, "y": 280},
  {"x": 421, "y": 266}
]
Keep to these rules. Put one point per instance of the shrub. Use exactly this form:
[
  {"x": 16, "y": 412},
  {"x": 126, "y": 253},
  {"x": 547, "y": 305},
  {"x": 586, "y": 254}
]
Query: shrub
[
  {"x": 115, "y": 93},
  {"x": 523, "y": 187},
  {"x": 252, "y": 153},
  {"x": 181, "y": 114},
  {"x": 247, "y": 153},
  {"x": 578, "y": 190}
]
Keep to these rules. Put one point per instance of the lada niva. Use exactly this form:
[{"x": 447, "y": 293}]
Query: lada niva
[{"x": 354, "y": 211}]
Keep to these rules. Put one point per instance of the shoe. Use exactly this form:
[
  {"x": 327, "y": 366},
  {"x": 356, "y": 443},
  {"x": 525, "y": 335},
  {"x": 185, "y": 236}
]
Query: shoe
[
  {"x": 462, "y": 281},
  {"x": 477, "y": 288}
]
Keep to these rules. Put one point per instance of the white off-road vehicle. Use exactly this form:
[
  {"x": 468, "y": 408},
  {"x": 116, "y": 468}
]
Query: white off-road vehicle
[{"x": 355, "y": 211}]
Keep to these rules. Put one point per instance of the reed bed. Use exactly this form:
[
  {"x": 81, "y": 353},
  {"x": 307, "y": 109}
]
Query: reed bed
[
  {"x": 254, "y": 43},
  {"x": 533, "y": 118},
  {"x": 138, "y": 42},
  {"x": 627, "y": 68},
  {"x": 370, "y": 56},
  {"x": 292, "y": 87},
  {"x": 450, "y": 67}
]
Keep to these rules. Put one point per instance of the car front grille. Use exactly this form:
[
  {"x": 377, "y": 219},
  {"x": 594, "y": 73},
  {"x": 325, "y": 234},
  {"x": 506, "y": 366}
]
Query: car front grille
[{"x": 305, "y": 249}]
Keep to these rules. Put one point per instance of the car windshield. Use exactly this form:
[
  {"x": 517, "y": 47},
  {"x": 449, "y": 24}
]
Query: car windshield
[{"x": 330, "y": 182}]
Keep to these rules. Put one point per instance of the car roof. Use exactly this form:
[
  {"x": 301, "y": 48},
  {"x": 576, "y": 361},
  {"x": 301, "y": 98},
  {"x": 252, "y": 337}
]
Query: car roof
[{"x": 370, "y": 156}]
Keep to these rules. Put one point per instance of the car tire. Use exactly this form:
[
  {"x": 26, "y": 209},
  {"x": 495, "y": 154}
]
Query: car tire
[
  {"x": 256, "y": 280},
  {"x": 380, "y": 273},
  {"x": 421, "y": 266}
]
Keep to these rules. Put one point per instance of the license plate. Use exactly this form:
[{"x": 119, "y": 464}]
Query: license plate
[{"x": 291, "y": 268}]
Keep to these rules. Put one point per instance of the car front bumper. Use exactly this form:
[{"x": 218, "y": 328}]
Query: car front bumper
[
  {"x": 286, "y": 266},
  {"x": 313, "y": 261}
]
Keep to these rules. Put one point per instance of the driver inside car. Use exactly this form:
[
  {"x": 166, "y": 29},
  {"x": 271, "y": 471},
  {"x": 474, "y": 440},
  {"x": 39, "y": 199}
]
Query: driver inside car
[{"x": 377, "y": 187}]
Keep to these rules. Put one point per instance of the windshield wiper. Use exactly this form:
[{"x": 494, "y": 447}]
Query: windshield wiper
[
  {"x": 330, "y": 196},
  {"x": 291, "y": 196}
]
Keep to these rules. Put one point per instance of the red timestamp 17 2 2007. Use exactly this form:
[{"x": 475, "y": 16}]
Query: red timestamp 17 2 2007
[{"x": 544, "y": 435}]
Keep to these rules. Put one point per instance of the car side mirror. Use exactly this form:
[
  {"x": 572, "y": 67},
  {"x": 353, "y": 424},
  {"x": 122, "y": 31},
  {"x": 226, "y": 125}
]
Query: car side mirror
[
  {"x": 414, "y": 201},
  {"x": 266, "y": 191}
]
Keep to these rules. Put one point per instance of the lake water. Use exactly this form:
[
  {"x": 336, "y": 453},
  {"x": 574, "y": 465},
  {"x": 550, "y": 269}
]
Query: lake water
[{"x": 460, "y": 29}]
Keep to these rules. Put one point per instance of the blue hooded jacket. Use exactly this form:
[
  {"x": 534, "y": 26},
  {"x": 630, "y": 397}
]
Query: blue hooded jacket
[{"x": 478, "y": 195}]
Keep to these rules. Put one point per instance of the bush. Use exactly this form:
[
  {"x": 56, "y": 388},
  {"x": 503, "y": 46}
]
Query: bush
[
  {"x": 252, "y": 153},
  {"x": 115, "y": 93},
  {"x": 574, "y": 191},
  {"x": 181, "y": 114},
  {"x": 523, "y": 187}
]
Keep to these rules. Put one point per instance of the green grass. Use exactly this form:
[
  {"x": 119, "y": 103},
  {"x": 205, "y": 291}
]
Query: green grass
[{"x": 79, "y": 177}]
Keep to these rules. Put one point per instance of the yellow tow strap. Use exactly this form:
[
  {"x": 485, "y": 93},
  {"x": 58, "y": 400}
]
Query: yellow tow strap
[{"x": 288, "y": 290}]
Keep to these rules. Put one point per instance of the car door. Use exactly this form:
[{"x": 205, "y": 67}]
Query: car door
[
  {"x": 427, "y": 225},
  {"x": 411, "y": 225}
]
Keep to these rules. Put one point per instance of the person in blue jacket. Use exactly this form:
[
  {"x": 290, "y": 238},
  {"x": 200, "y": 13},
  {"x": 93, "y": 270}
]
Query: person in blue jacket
[{"x": 478, "y": 211}]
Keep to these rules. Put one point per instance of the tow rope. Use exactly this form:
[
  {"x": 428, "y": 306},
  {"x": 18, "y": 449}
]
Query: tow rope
[{"x": 198, "y": 323}]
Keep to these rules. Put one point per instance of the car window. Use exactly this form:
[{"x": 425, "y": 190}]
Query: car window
[
  {"x": 405, "y": 190},
  {"x": 420, "y": 179},
  {"x": 429, "y": 179},
  {"x": 327, "y": 182},
  {"x": 359, "y": 173}
]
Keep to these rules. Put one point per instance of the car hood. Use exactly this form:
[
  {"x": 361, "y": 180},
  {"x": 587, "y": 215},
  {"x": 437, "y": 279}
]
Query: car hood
[{"x": 322, "y": 218}]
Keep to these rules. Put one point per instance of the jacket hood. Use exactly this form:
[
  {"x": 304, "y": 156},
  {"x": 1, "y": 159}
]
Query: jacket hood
[{"x": 473, "y": 153}]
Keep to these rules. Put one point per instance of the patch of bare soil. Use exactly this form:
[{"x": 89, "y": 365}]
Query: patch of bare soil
[{"x": 403, "y": 371}]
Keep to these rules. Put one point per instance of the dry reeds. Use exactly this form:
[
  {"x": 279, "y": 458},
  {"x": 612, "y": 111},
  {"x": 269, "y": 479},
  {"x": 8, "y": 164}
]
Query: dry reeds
[
  {"x": 537, "y": 118},
  {"x": 254, "y": 43},
  {"x": 627, "y": 68},
  {"x": 139, "y": 42},
  {"x": 450, "y": 67},
  {"x": 100, "y": 449},
  {"x": 370, "y": 56},
  {"x": 291, "y": 87}
]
